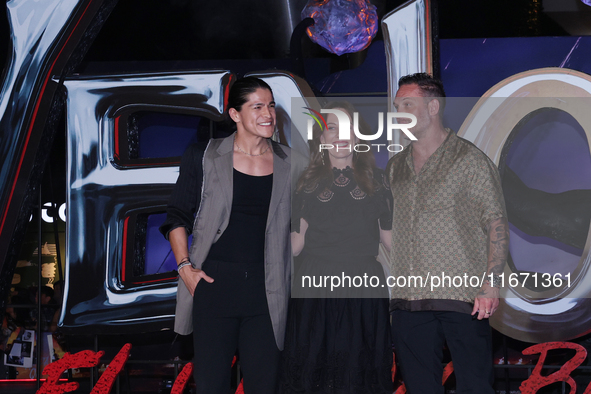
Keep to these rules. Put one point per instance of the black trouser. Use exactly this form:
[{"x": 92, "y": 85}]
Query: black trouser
[
  {"x": 419, "y": 338},
  {"x": 231, "y": 314}
]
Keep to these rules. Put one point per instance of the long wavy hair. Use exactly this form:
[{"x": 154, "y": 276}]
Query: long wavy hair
[{"x": 319, "y": 171}]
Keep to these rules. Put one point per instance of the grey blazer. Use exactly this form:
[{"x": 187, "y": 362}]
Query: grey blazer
[{"x": 212, "y": 219}]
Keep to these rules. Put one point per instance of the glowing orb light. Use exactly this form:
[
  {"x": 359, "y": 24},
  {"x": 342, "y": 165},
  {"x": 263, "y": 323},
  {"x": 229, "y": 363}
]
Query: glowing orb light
[
  {"x": 342, "y": 26},
  {"x": 588, "y": 2}
]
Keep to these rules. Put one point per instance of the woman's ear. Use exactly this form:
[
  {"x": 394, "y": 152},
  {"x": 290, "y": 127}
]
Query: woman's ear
[{"x": 234, "y": 115}]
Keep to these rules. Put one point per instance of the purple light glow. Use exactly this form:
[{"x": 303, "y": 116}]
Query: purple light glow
[{"x": 342, "y": 26}]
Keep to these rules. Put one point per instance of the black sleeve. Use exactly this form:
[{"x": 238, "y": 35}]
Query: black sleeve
[
  {"x": 186, "y": 195},
  {"x": 297, "y": 207},
  {"x": 386, "y": 202}
]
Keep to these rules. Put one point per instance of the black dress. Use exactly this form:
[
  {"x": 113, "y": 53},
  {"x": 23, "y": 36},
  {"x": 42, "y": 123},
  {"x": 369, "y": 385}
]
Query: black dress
[{"x": 338, "y": 340}]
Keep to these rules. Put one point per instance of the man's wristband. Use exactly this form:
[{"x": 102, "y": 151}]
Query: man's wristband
[{"x": 183, "y": 264}]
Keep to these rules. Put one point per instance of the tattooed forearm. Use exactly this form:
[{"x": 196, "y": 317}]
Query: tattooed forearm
[{"x": 498, "y": 245}]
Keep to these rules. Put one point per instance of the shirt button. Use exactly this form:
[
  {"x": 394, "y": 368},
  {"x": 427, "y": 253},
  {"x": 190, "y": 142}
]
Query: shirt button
[{"x": 219, "y": 231}]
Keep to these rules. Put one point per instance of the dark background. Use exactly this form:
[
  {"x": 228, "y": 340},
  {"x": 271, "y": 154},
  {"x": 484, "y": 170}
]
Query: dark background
[{"x": 181, "y": 31}]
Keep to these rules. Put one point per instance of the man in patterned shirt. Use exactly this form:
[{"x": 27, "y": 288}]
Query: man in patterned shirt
[{"x": 449, "y": 235}]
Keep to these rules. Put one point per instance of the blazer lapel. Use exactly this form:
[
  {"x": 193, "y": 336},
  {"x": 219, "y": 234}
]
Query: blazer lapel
[
  {"x": 224, "y": 166},
  {"x": 281, "y": 178}
]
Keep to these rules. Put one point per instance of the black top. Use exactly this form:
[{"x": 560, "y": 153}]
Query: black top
[
  {"x": 243, "y": 241},
  {"x": 186, "y": 195},
  {"x": 343, "y": 219}
]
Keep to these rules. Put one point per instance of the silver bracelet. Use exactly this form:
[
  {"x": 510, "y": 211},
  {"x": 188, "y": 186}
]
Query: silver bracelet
[{"x": 183, "y": 264}]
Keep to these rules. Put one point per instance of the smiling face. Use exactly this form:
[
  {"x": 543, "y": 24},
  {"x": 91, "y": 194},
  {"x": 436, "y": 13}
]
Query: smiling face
[
  {"x": 257, "y": 115},
  {"x": 342, "y": 148}
]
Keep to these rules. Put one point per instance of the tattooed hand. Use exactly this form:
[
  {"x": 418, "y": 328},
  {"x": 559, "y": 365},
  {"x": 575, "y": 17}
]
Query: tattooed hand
[{"x": 487, "y": 299}]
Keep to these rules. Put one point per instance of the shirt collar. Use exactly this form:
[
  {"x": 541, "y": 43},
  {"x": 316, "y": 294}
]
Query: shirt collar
[{"x": 436, "y": 156}]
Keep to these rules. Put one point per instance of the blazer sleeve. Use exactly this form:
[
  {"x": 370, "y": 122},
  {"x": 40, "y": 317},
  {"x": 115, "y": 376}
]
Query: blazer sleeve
[{"x": 186, "y": 195}]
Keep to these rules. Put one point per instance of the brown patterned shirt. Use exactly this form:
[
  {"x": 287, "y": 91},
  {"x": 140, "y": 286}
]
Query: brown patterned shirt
[{"x": 439, "y": 229}]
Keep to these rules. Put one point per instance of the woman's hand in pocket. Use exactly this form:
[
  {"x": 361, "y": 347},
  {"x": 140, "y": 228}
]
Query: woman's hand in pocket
[{"x": 191, "y": 276}]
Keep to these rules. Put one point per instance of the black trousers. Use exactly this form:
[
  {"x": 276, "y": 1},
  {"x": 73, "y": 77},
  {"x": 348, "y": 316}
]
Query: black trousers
[
  {"x": 230, "y": 315},
  {"x": 419, "y": 338}
]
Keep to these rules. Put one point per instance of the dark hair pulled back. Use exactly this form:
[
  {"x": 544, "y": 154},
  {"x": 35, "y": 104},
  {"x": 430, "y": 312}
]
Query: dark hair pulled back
[{"x": 242, "y": 88}]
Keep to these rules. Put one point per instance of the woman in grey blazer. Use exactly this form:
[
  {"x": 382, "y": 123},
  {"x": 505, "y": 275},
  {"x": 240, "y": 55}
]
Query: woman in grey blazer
[{"x": 235, "y": 279}]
